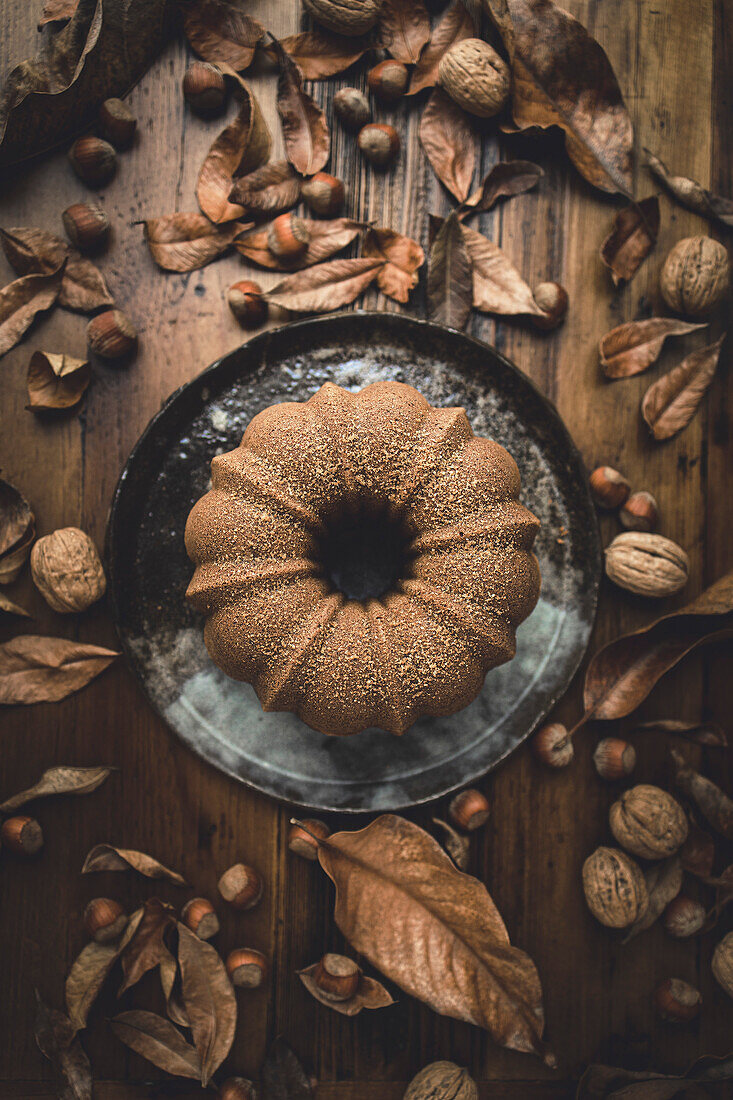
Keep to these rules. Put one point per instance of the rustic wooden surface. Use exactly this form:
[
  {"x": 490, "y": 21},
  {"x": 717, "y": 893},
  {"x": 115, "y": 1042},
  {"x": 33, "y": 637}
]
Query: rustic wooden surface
[{"x": 673, "y": 60}]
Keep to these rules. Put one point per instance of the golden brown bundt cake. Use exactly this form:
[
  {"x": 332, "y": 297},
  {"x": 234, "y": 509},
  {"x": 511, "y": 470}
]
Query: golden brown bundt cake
[{"x": 362, "y": 559}]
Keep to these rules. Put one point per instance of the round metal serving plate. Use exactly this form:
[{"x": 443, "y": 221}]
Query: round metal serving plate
[{"x": 163, "y": 638}]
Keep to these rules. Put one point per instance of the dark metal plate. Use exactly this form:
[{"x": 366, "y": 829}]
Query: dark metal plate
[{"x": 162, "y": 637}]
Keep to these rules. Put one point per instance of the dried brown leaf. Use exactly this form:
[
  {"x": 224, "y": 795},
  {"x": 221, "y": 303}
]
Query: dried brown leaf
[
  {"x": 157, "y": 1040},
  {"x": 57, "y": 1040},
  {"x": 692, "y": 194},
  {"x": 630, "y": 348},
  {"x": 208, "y": 1000},
  {"x": 36, "y": 669},
  {"x": 324, "y": 287},
  {"x": 508, "y": 178},
  {"x": 184, "y": 242},
  {"x": 455, "y": 25},
  {"x": 104, "y": 857},
  {"x": 10, "y": 608},
  {"x": 16, "y": 517},
  {"x": 609, "y": 1083},
  {"x": 59, "y": 780},
  {"x": 670, "y": 403},
  {"x": 56, "y": 381},
  {"x": 170, "y": 981},
  {"x": 21, "y": 302},
  {"x": 450, "y": 143},
  {"x": 723, "y": 884},
  {"x": 369, "y": 994},
  {"x": 30, "y": 251},
  {"x": 449, "y": 276},
  {"x": 13, "y": 560},
  {"x": 305, "y": 130},
  {"x": 404, "y": 28},
  {"x": 402, "y": 258},
  {"x": 57, "y": 11},
  {"x": 146, "y": 949},
  {"x": 268, "y": 190},
  {"x": 325, "y": 239},
  {"x": 633, "y": 236},
  {"x": 497, "y": 285},
  {"x": 663, "y": 882},
  {"x": 715, "y": 806},
  {"x": 697, "y": 854},
  {"x": 85, "y": 979},
  {"x": 283, "y": 1077},
  {"x": 319, "y": 53},
  {"x": 221, "y": 32},
  {"x": 702, "y": 733}
]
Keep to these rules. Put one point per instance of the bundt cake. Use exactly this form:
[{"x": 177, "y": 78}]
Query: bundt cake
[{"x": 362, "y": 559}]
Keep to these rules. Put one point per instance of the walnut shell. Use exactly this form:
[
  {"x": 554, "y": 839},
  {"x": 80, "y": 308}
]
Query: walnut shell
[
  {"x": 648, "y": 822},
  {"x": 67, "y": 570},
  {"x": 344, "y": 16},
  {"x": 475, "y": 77},
  {"x": 647, "y": 564},
  {"x": 723, "y": 963},
  {"x": 442, "y": 1081},
  {"x": 695, "y": 276},
  {"x": 614, "y": 888}
]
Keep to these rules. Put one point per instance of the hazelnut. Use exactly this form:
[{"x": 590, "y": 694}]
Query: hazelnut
[
  {"x": 552, "y": 298},
  {"x": 323, "y": 194},
  {"x": 352, "y": 109},
  {"x": 22, "y": 835},
  {"x": 648, "y": 822},
  {"x": 441, "y": 1080},
  {"x": 303, "y": 837},
  {"x": 105, "y": 920},
  {"x": 112, "y": 335},
  {"x": 469, "y": 809},
  {"x": 241, "y": 886},
  {"x": 553, "y": 745},
  {"x": 237, "y": 1088},
  {"x": 348, "y": 17},
  {"x": 609, "y": 488},
  {"x": 204, "y": 89},
  {"x": 246, "y": 967},
  {"x": 614, "y": 758},
  {"x": 639, "y": 513},
  {"x": 723, "y": 963},
  {"x": 67, "y": 570},
  {"x": 246, "y": 302},
  {"x": 198, "y": 914},
  {"x": 647, "y": 564},
  {"x": 117, "y": 123},
  {"x": 614, "y": 888},
  {"x": 87, "y": 226},
  {"x": 475, "y": 77},
  {"x": 288, "y": 237},
  {"x": 379, "y": 143},
  {"x": 677, "y": 1001},
  {"x": 337, "y": 977},
  {"x": 684, "y": 917},
  {"x": 93, "y": 160},
  {"x": 388, "y": 80},
  {"x": 695, "y": 275}
]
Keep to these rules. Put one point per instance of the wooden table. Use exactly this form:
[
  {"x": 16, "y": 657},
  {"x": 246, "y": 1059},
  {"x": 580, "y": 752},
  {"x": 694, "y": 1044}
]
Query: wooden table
[{"x": 673, "y": 61}]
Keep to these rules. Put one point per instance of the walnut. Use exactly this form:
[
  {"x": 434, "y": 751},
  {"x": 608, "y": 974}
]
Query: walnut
[
  {"x": 442, "y": 1081},
  {"x": 614, "y": 888},
  {"x": 648, "y": 822},
  {"x": 475, "y": 77},
  {"x": 647, "y": 564},
  {"x": 695, "y": 276},
  {"x": 67, "y": 570},
  {"x": 723, "y": 963},
  {"x": 344, "y": 16}
]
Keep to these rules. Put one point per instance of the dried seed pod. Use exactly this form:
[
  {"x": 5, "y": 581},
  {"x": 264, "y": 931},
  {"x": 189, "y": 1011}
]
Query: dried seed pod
[
  {"x": 442, "y": 1081},
  {"x": 723, "y": 963},
  {"x": 648, "y": 822},
  {"x": 87, "y": 226},
  {"x": 347, "y": 17},
  {"x": 614, "y": 758},
  {"x": 609, "y": 488},
  {"x": 93, "y": 160},
  {"x": 199, "y": 915},
  {"x": 337, "y": 977},
  {"x": 241, "y": 886},
  {"x": 695, "y": 276},
  {"x": 388, "y": 80},
  {"x": 246, "y": 967},
  {"x": 469, "y": 809},
  {"x": 677, "y": 1001},
  {"x": 352, "y": 109},
  {"x": 117, "y": 123},
  {"x": 67, "y": 570},
  {"x": 475, "y": 77},
  {"x": 237, "y": 1088},
  {"x": 648, "y": 565},
  {"x": 640, "y": 512},
  {"x": 112, "y": 335},
  {"x": 288, "y": 237},
  {"x": 246, "y": 302},
  {"x": 105, "y": 920},
  {"x": 323, "y": 194},
  {"x": 552, "y": 298},
  {"x": 683, "y": 917},
  {"x": 379, "y": 143},
  {"x": 553, "y": 745},
  {"x": 301, "y": 840},
  {"x": 204, "y": 89},
  {"x": 614, "y": 888},
  {"x": 22, "y": 835}
]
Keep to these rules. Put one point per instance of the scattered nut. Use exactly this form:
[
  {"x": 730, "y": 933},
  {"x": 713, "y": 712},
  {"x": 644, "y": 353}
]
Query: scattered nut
[
  {"x": 640, "y": 512},
  {"x": 112, "y": 335},
  {"x": 22, "y": 835},
  {"x": 723, "y": 963},
  {"x": 649, "y": 565},
  {"x": 614, "y": 888},
  {"x": 337, "y": 977},
  {"x": 695, "y": 276},
  {"x": 288, "y": 237},
  {"x": 677, "y": 1001},
  {"x": 469, "y": 809},
  {"x": 442, "y": 1081},
  {"x": 204, "y": 89},
  {"x": 246, "y": 967},
  {"x": 379, "y": 143},
  {"x": 323, "y": 194},
  {"x": 67, "y": 570},
  {"x": 552, "y": 298},
  {"x": 246, "y": 302},
  {"x": 475, "y": 77},
  {"x": 614, "y": 758},
  {"x": 348, "y": 17},
  {"x": 610, "y": 488},
  {"x": 553, "y": 745},
  {"x": 117, "y": 123},
  {"x": 86, "y": 225},
  {"x": 388, "y": 80},
  {"x": 237, "y": 1088},
  {"x": 684, "y": 917},
  {"x": 241, "y": 886},
  {"x": 199, "y": 915},
  {"x": 105, "y": 920},
  {"x": 93, "y": 160},
  {"x": 352, "y": 109},
  {"x": 648, "y": 822},
  {"x": 303, "y": 838}
]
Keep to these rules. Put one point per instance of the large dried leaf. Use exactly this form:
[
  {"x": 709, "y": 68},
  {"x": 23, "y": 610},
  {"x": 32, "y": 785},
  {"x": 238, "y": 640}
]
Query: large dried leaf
[
  {"x": 702, "y": 733},
  {"x": 711, "y": 801},
  {"x": 305, "y": 130},
  {"x": 455, "y": 25},
  {"x": 457, "y": 956},
  {"x": 691, "y": 193},
  {"x": 184, "y": 242},
  {"x": 101, "y": 52},
  {"x": 57, "y": 11},
  {"x": 449, "y": 276},
  {"x": 450, "y": 143},
  {"x": 31, "y": 251},
  {"x": 630, "y": 348},
  {"x": 208, "y": 999},
  {"x": 319, "y": 53},
  {"x": 157, "y": 1040},
  {"x": 36, "y": 669},
  {"x": 324, "y": 287},
  {"x": 402, "y": 258},
  {"x": 59, "y": 780},
  {"x": 146, "y": 949},
  {"x": 104, "y": 857},
  {"x": 325, "y": 239},
  {"x": 670, "y": 403},
  {"x": 87, "y": 976},
  {"x": 497, "y": 285},
  {"x": 509, "y": 177},
  {"x": 12, "y": 561},
  {"x": 609, "y": 1083},
  {"x": 268, "y": 190},
  {"x": 283, "y": 1077},
  {"x": 562, "y": 77},
  {"x": 663, "y": 883},
  {"x": 369, "y": 993},
  {"x": 16, "y": 516},
  {"x": 633, "y": 236},
  {"x": 170, "y": 981},
  {"x": 404, "y": 28},
  {"x": 57, "y": 1040},
  {"x": 697, "y": 854},
  {"x": 221, "y": 32},
  {"x": 56, "y": 381},
  {"x": 21, "y": 302}
]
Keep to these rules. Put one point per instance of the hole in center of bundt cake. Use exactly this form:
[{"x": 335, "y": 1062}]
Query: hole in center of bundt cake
[{"x": 363, "y": 555}]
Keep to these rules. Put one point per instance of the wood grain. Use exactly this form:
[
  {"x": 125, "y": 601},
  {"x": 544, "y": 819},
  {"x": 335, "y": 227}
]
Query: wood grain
[{"x": 673, "y": 61}]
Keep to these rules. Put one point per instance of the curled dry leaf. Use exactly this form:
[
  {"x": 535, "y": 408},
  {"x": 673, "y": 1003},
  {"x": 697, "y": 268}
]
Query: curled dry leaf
[
  {"x": 509, "y": 177},
  {"x": 449, "y": 276},
  {"x": 87, "y": 976},
  {"x": 455, "y": 25},
  {"x": 324, "y": 287},
  {"x": 402, "y": 258},
  {"x": 562, "y": 77},
  {"x": 57, "y": 11},
  {"x": 35, "y": 251},
  {"x": 630, "y": 348},
  {"x": 497, "y": 285},
  {"x": 703, "y": 733},
  {"x": 221, "y": 32},
  {"x": 369, "y": 994},
  {"x": 157, "y": 1040},
  {"x": 11, "y": 608},
  {"x": 450, "y": 143},
  {"x": 692, "y": 194},
  {"x": 57, "y": 1040},
  {"x": 59, "y": 780},
  {"x": 609, "y": 1083},
  {"x": 12, "y": 562},
  {"x": 283, "y": 1077},
  {"x": 56, "y": 381},
  {"x": 325, "y": 239},
  {"x": 663, "y": 882},
  {"x": 170, "y": 981},
  {"x": 633, "y": 236},
  {"x": 697, "y": 854},
  {"x": 103, "y": 857},
  {"x": 184, "y": 242},
  {"x": 208, "y": 1000},
  {"x": 16, "y": 517},
  {"x": 305, "y": 130},
  {"x": 36, "y": 669},
  {"x": 456, "y": 845},
  {"x": 404, "y": 28},
  {"x": 319, "y": 53},
  {"x": 146, "y": 948},
  {"x": 268, "y": 190},
  {"x": 21, "y": 302},
  {"x": 723, "y": 884},
  {"x": 670, "y": 403},
  {"x": 715, "y": 806}
]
